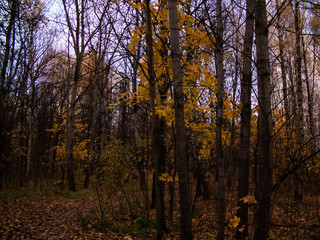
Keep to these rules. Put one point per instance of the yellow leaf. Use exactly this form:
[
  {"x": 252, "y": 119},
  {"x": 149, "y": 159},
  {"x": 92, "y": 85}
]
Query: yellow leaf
[
  {"x": 248, "y": 199},
  {"x": 242, "y": 228},
  {"x": 234, "y": 222},
  {"x": 194, "y": 68}
]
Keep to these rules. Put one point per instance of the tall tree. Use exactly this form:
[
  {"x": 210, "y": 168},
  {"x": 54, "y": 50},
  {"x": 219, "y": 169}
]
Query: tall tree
[
  {"x": 81, "y": 34},
  {"x": 299, "y": 114},
  {"x": 286, "y": 104},
  {"x": 219, "y": 123},
  {"x": 181, "y": 139},
  {"x": 157, "y": 135},
  {"x": 244, "y": 154},
  {"x": 264, "y": 154},
  {"x": 9, "y": 43}
]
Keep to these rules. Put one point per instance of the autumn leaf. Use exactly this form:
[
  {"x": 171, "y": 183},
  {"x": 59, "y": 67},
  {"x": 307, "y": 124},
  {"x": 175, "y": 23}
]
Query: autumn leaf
[
  {"x": 234, "y": 222},
  {"x": 248, "y": 199}
]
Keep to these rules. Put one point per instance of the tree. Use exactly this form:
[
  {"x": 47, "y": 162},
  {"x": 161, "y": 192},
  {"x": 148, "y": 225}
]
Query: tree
[
  {"x": 181, "y": 140},
  {"x": 4, "y": 90},
  {"x": 219, "y": 124},
  {"x": 299, "y": 114},
  {"x": 81, "y": 34},
  {"x": 156, "y": 131},
  {"x": 264, "y": 155},
  {"x": 244, "y": 152}
]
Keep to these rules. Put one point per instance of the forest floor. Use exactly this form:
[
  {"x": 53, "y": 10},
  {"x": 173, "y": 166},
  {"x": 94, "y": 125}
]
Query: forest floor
[{"x": 30, "y": 214}]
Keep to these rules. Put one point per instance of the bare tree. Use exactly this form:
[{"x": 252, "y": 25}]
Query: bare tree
[{"x": 81, "y": 34}]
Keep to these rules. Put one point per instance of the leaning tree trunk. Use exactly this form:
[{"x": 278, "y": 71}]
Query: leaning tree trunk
[
  {"x": 181, "y": 139},
  {"x": 264, "y": 155},
  {"x": 244, "y": 154}
]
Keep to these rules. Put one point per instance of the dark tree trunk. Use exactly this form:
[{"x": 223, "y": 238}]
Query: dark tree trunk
[
  {"x": 3, "y": 93},
  {"x": 299, "y": 116},
  {"x": 158, "y": 150},
  {"x": 219, "y": 148},
  {"x": 284, "y": 88},
  {"x": 264, "y": 155},
  {"x": 181, "y": 139},
  {"x": 244, "y": 152}
]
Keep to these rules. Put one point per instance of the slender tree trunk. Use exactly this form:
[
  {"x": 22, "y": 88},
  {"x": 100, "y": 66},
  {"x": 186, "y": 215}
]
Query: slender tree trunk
[
  {"x": 310, "y": 95},
  {"x": 137, "y": 136},
  {"x": 244, "y": 155},
  {"x": 157, "y": 139},
  {"x": 264, "y": 155},
  {"x": 13, "y": 14},
  {"x": 284, "y": 87},
  {"x": 31, "y": 103},
  {"x": 93, "y": 129},
  {"x": 71, "y": 127},
  {"x": 181, "y": 139},
  {"x": 219, "y": 148},
  {"x": 299, "y": 115},
  {"x": 3, "y": 94}
]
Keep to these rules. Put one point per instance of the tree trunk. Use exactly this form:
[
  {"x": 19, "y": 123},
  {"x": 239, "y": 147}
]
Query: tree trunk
[
  {"x": 31, "y": 103},
  {"x": 140, "y": 159},
  {"x": 264, "y": 155},
  {"x": 93, "y": 129},
  {"x": 3, "y": 92},
  {"x": 181, "y": 140},
  {"x": 157, "y": 139},
  {"x": 284, "y": 87},
  {"x": 310, "y": 95},
  {"x": 13, "y": 13},
  {"x": 219, "y": 124},
  {"x": 299, "y": 115},
  {"x": 71, "y": 127},
  {"x": 244, "y": 154}
]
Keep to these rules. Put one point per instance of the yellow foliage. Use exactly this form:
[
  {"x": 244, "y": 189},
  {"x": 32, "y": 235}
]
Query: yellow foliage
[
  {"x": 234, "y": 222},
  {"x": 248, "y": 199},
  {"x": 80, "y": 150},
  {"x": 166, "y": 177}
]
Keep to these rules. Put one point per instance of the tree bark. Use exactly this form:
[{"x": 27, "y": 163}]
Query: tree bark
[
  {"x": 3, "y": 92},
  {"x": 287, "y": 109},
  {"x": 181, "y": 139},
  {"x": 157, "y": 136},
  {"x": 310, "y": 95},
  {"x": 219, "y": 148},
  {"x": 299, "y": 115},
  {"x": 13, "y": 15},
  {"x": 245, "y": 128},
  {"x": 71, "y": 127},
  {"x": 264, "y": 155}
]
